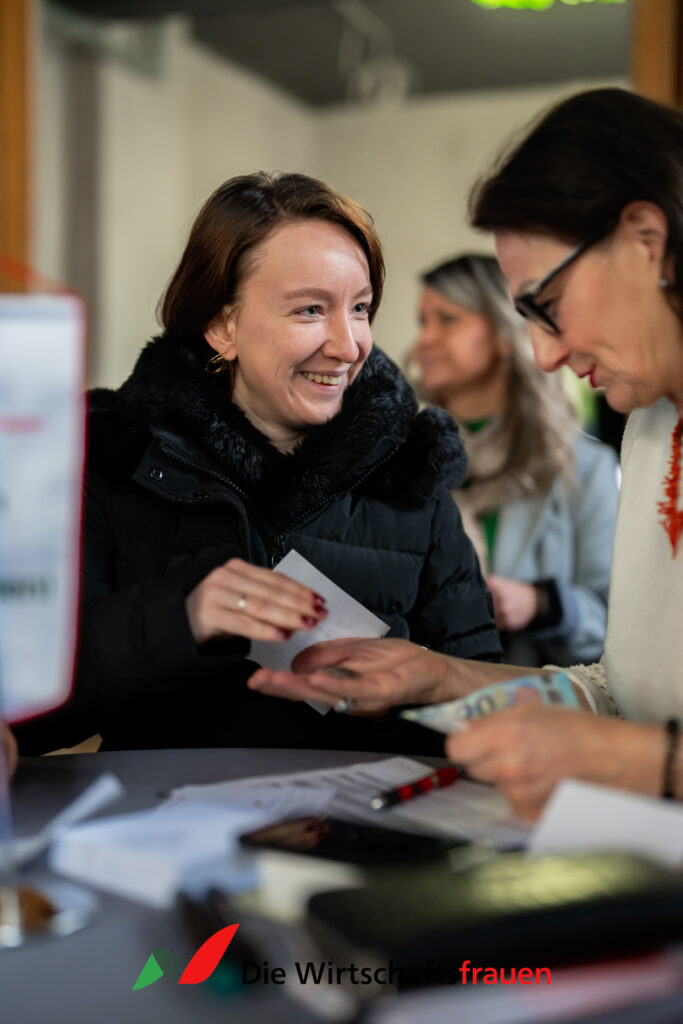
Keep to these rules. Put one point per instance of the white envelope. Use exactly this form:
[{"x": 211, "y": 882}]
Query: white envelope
[{"x": 346, "y": 618}]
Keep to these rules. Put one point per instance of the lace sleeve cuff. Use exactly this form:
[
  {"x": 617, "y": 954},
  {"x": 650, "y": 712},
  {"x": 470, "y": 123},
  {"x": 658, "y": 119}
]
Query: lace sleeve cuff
[{"x": 592, "y": 682}]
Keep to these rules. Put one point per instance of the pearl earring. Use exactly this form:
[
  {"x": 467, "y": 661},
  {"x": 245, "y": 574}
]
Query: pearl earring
[{"x": 663, "y": 282}]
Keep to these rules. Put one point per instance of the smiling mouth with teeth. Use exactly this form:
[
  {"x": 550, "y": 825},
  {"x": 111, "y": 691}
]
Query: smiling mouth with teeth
[{"x": 322, "y": 378}]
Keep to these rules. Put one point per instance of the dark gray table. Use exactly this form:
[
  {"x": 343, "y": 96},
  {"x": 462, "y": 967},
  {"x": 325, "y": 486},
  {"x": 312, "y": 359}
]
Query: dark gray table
[{"x": 88, "y": 977}]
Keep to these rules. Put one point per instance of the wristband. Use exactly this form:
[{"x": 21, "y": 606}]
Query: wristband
[{"x": 668, "y": 776}]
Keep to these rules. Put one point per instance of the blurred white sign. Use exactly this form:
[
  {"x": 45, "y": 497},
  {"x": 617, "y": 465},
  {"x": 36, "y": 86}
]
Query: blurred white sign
[{"x": 42, "y": 434}]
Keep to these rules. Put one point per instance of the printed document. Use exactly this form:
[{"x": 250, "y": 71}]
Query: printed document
[{"x": 464, "y": 809}]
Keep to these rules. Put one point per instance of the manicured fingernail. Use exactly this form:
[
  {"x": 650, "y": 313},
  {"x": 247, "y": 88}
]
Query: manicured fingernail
[
  {"x": 308, "y": 620},
  {"x": 318, "y": 600},
  {"x": 285, "y": 633}
]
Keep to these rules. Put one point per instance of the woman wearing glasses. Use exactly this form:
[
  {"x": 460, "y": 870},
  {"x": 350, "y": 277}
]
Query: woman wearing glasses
[
  {"x": 587, "y": 214},
  {"x": 540, "y": 498}
]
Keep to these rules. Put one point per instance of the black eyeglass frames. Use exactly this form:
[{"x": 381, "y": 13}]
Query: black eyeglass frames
[{"x": 526, "y": 304}]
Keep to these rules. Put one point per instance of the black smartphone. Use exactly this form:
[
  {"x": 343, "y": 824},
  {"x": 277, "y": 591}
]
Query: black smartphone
[{"x": 366, "y": 846}]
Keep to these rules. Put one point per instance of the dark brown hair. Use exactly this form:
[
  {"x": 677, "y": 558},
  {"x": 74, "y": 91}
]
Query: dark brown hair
[
  {"x": 581, "y": 164},
  {"x": 232, "y": 223}
]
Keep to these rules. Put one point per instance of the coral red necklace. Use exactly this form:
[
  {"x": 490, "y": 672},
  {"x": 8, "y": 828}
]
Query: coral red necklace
[{"x": 672, "y": 519}]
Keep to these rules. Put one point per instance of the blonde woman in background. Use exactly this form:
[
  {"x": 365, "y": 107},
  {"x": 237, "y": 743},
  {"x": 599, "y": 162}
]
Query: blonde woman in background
[{"x": 540, "y": 498}]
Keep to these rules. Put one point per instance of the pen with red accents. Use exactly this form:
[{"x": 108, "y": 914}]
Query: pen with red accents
[{"x": 439, "y": 778}]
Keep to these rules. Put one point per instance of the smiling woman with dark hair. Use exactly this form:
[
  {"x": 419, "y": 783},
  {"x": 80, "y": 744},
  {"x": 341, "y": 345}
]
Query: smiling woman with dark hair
[
  {"x": 260, "y": 421},
  {"x": 587, "y": 213}
]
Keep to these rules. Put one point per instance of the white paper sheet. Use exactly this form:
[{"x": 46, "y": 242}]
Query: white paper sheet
[
  {"x": 146, "y": 856},
  {"x": 276, "y": 801},
  {"x": 41, "y": 454},
  {"x": 465, "y": 809},
  {"x": 584, "y": 816},
  {"x": 346, "y": 618}
]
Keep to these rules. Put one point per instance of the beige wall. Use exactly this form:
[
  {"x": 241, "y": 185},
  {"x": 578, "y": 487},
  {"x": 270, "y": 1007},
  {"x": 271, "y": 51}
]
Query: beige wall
[
  {"x": 413, "y": 169},
  {"x": 165, "y": 143},
  {"x": 168, "y": 141},
  {"x": 49, "y": 111}
]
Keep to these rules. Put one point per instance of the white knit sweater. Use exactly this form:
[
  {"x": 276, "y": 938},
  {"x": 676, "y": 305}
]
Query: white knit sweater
[{"x": 640, "y": 675}]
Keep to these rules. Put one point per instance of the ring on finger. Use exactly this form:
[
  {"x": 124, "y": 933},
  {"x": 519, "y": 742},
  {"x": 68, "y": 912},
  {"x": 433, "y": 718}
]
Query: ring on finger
[
  {"x": 344, "y": 705},
  {"x": 242, "y": 603}
]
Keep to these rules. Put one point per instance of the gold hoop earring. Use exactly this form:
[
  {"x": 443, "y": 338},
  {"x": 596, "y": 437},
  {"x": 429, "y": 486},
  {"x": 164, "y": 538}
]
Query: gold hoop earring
[{"x": 216, "y": 364}]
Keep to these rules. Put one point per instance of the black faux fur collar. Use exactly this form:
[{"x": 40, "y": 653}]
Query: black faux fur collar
[{"x": 169, "y": 391}]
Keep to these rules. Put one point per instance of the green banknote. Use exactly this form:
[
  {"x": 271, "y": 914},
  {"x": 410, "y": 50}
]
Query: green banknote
[{"x": 553, "y": 688}]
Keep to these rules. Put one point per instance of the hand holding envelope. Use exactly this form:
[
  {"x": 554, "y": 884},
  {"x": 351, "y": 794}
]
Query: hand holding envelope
[
  {"x": 240, "y": 599},
  {"x": 346, "y": 618}
]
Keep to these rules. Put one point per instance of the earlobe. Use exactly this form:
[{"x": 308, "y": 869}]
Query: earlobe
[
  {"x": 220, "y": 334},
  {"x": 647, "y": 223}
]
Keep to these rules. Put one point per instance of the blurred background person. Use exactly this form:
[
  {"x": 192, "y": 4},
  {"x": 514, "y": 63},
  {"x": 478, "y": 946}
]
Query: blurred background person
[{"x": 540, "y": 498}]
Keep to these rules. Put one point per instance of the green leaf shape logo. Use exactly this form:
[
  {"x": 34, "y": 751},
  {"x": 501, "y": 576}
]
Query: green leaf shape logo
[{"x": 159, "y": 963}]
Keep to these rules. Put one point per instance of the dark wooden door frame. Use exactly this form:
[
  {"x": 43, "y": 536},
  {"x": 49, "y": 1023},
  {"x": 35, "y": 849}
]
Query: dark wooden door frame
[
  {"x": 657, "y": 49},
  {"x": 16, "y": 117}
]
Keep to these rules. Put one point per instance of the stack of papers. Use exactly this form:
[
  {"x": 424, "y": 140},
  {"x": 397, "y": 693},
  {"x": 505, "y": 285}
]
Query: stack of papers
[
  {"x": 149, "y": 855},
  {"x": 464, "y": 809},
  {"x": 145, "y": 856}
]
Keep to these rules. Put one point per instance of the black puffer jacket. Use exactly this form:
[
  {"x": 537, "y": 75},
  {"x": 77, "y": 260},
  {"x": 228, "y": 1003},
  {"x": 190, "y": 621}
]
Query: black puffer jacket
[{"x": 179, "y": 481}]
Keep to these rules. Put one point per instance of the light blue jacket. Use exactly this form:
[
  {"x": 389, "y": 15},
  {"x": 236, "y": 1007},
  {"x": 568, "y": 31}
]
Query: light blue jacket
[{"x": 564, "y": 536}]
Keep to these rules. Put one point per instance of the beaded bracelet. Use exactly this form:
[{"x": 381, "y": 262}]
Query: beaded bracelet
[{"x": 668, "y": 781}]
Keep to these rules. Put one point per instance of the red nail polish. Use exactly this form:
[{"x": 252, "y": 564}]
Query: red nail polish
[
  {"x": 317, "y": 599},
  {"x": 285, "y": 633},
  {"x": 308, "y": 620}
]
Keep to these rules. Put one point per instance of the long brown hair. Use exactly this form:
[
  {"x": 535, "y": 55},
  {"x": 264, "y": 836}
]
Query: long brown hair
[
  {"x": 230, "y": 226},
  {"x": 523, "y": 452}
]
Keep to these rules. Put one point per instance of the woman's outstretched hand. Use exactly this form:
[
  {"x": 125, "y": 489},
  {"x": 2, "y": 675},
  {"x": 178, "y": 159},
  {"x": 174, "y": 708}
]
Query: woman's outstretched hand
[
  {"x": 239, "y": 599},
  {"x": 377, "y": 674},
  {"x": 526, "y": 751}
]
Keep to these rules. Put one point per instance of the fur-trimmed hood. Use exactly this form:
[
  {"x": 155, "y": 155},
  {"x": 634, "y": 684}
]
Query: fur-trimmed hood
[{"x": 407, "y": 456}]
